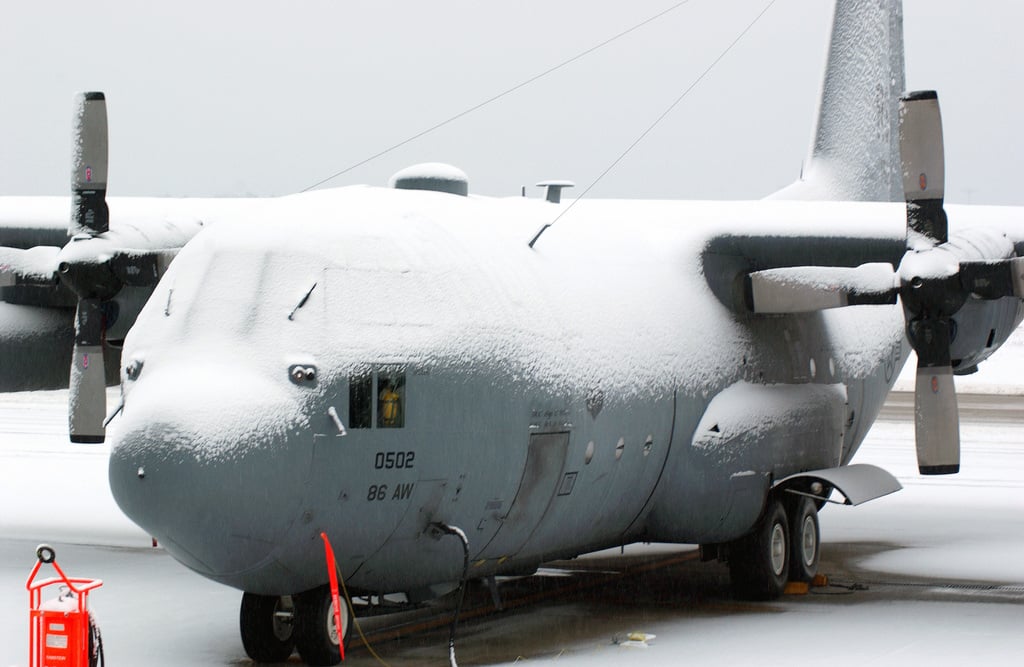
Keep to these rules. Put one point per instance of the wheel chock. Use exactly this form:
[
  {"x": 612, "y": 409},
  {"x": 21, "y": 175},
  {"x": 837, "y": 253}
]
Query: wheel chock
[
  {"x": 804, "y": 587},
  {"x": 634, "y": 639},
  {"x": 797, "y": 588}
]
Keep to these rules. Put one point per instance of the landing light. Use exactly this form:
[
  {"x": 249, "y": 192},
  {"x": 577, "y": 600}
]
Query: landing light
[{"x": 302, "y": 374}]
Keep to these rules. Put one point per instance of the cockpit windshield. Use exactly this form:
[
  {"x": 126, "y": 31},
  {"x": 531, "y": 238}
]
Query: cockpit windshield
[{"x": 253, "y": 296}]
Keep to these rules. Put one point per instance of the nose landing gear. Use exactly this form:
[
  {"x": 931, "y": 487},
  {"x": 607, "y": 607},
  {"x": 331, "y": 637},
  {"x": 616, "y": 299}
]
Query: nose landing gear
[
  {"x": 273, "y": 626},
  {"x": 267, "y": 626},
  {"x": 316, "y": 636}
]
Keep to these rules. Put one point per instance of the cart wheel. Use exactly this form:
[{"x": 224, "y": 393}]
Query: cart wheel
[
  {"x": 45, "y": 553},
  {"x": 95, "y": 644}
]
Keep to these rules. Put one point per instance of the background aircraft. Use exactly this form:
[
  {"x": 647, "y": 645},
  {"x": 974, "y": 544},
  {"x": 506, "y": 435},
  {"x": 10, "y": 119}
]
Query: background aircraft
[{"x": 399, "y": 362}]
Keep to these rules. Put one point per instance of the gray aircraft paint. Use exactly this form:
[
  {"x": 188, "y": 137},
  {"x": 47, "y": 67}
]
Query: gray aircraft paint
[
  {"x": 469, "y": 317},
  {"x": 604, "y": 387}
]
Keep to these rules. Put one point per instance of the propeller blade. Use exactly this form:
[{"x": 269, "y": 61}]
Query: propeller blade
[
  {"x": 803, "y": 289},
  {"x": 87, "y": 401},
  {"x": 35, "y": 266},
  {"x": 936, "y": 422},
  {"x": 936, "y": 419},
  {"x": 924, "y": 170},
  {"x": 89, "y": 213}
]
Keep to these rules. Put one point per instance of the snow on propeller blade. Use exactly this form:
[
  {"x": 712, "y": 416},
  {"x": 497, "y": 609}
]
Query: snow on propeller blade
[
  {"x": 94, "y": 268},
  {"x": 934, "y": 280}
]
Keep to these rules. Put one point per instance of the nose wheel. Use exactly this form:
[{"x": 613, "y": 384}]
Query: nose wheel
[
  {"x": 273, "y": 626},
  {"x": 267, "y": 626},
  {"x": 316, "y": 636}
]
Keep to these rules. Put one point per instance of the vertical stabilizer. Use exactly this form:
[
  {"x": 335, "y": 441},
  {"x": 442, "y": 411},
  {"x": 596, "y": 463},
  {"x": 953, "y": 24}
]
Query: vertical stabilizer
[{"x": 855, "y": 150}]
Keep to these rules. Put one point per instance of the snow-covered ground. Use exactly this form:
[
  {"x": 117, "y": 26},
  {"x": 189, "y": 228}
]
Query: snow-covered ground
[{"x": 944, "y": 557}]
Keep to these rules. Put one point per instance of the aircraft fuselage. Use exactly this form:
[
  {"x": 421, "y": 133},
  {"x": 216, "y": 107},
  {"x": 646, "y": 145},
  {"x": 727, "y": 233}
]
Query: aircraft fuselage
[{"x": 367, "y": 362}]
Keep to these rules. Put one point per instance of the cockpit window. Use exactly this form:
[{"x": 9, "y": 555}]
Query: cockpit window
[
  {"x": 388, "y": 410},
  {"x": 391, "y": 399},
  {"x": 360, "y": 401}
]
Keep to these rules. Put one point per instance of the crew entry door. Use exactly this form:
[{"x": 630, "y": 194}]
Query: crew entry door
[{"x": 541, "y": 476}]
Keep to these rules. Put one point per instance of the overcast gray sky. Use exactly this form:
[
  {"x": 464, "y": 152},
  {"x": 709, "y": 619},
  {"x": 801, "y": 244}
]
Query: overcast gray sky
[{"x": 266, "y": 98}]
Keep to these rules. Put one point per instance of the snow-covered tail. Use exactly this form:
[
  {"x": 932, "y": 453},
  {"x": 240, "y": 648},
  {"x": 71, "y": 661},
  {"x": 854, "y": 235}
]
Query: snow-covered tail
[{"x": 855, "y": 148}]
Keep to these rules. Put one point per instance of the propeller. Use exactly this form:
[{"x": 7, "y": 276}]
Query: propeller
[
  {"x": 933, "y": 282},
  {"x": 94, "y": 265},
  {"x": 92, "y": 281},
  {"x": 95, "y": 269},
  {"x": 930, "y": 288}
]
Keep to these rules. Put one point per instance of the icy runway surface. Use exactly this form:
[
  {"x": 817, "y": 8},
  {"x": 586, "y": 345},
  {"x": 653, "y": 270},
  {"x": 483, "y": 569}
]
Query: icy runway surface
[{"x": 942, "y": 562}]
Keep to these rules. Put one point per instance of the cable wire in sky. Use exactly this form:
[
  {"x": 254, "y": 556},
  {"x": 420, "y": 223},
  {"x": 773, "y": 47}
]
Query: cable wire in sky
[
  {"x": 657, "y": 120},
  {"x": 498, "y": 96}
]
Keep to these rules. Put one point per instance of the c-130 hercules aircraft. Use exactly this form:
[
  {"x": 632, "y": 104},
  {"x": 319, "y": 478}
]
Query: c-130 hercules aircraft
[{"x": 385, "y": 364}]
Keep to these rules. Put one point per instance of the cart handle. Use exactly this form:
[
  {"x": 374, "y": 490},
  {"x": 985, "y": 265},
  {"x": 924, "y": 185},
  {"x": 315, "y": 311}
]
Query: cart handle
[{"x": 46, "y": 554}]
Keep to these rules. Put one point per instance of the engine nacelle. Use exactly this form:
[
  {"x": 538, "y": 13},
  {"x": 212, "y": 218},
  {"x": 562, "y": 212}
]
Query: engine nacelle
[{"x": 981, "y": 326}]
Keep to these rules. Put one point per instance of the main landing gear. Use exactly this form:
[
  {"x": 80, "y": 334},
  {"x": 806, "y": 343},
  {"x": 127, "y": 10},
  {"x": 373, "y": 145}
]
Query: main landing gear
[
  {"x": 782, "y": 547},
  {"x": 272, "y": 626}
]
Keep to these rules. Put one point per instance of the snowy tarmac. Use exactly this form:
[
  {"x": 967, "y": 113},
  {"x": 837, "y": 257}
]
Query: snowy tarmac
[{"x": 934, "y": 573}]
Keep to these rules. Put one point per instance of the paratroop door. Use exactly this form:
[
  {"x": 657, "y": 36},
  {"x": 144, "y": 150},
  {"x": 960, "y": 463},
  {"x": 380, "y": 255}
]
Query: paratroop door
[{"x": 537, "y": 488}]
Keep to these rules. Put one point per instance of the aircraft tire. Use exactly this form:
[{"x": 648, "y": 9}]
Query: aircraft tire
[
  {"x": 264, "y": 636},
  {"x": 759, "y": 562},
  {"x": 805, "y": 539},
  {"x": 315, "y": 634}
]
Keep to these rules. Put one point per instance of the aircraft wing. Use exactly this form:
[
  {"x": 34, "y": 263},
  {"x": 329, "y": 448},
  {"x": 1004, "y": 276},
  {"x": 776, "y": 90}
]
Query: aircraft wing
[
  {"x": 27, "y": 222},
  {"x": 118, "y": 268}
]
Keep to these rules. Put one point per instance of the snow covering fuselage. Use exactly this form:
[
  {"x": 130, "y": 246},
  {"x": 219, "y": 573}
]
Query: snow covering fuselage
[{"x": 600, "y": 388}]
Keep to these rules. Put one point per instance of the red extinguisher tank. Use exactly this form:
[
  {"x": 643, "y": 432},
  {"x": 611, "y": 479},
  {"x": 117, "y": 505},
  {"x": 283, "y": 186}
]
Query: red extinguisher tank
[{"x": 61, "y": 630}]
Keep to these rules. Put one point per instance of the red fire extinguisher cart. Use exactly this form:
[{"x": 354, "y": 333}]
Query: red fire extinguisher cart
[{"x": 59, "y": 628}]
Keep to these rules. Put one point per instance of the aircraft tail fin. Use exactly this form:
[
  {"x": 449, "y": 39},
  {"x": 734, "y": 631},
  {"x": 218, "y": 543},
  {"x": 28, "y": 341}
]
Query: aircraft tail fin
[{"x": 855, "y": 152}]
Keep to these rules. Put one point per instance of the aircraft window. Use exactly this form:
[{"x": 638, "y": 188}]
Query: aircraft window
[
  {"x": 360, "y": 401},
  {"x": 391, "y": 399}
]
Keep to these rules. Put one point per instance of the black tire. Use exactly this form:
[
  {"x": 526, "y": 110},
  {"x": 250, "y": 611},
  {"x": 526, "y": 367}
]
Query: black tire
[
  {"x": 315, "y": 634},
  {"x": 95, "y": 643},
  {"x": 266, "y": 637},
  {"x": 805, "y": 539},
  {"x": 759, "y": 561}
]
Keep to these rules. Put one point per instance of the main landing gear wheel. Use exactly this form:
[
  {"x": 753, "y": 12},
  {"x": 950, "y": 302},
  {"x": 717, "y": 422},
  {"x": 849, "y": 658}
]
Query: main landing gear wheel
[
  {"x": 805, "y": 542},
  {"x": 316, "y": 636},
  {"x": 759, "y": 562},
  {"x": 266, "y": 622}
]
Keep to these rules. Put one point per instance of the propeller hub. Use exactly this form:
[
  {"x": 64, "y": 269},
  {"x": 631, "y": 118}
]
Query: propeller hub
[{"x": 84, "y": 267}]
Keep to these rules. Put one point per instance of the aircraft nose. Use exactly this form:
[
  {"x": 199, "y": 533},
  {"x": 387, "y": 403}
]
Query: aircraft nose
[{"x": 215, "y": 470}]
